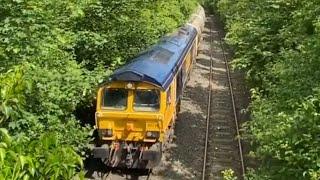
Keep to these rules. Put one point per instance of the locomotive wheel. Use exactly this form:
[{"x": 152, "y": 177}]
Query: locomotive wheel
[
  {"x": 105, "y": 160},
  {"x": 116, "y": 158}
]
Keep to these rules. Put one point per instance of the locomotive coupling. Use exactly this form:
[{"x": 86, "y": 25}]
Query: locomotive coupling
[{"x": 122, "y": 154}]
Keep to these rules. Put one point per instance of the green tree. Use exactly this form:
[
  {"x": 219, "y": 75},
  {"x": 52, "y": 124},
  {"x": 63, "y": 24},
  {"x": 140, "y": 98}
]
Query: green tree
[
  {"x": 53, "y": 55},
  {"x": 277, "y": 44}
]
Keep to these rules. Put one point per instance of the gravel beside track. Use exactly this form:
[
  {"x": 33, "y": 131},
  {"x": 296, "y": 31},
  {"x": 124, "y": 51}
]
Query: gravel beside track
[{"x": 184, "y": 157}]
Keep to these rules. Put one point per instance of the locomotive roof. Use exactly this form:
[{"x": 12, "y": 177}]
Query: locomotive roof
[{"x": 159, "y": 64}]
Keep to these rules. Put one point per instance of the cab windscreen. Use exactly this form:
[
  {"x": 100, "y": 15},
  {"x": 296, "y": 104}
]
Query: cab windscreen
[
  {"x": 115, "y": 99},
  {"x": 146, "y": 100}
]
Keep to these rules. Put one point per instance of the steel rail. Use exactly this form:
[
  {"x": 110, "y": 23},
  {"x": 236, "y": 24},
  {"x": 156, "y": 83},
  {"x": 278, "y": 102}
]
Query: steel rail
[
  {"x": 208, "y": 108},
  {"x": 149, "y": 174},
  {"x": 233, "y": 105},
  {"x": 104, "y": 176}
]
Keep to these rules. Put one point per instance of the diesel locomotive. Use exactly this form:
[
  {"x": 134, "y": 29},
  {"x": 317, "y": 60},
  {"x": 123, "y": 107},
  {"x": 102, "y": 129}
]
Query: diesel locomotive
[{"x": 137, "y": 107}]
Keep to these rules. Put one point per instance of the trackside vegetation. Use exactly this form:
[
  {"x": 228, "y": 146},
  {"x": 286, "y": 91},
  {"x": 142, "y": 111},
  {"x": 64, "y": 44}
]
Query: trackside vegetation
[
  {"x": 53, "y": 54},
  {"x": 277, "y": 44}
]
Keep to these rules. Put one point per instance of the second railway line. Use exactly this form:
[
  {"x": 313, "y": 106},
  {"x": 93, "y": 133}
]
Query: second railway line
[{"x": 223, "y": 147}]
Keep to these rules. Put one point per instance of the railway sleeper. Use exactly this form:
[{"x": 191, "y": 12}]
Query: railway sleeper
[
  {"x": 218, "y": 118},
  {"x": 223, "y": 141},
  {"x": 223, "y": 128},
  {"x": 225, "y": 123},
  {"x": 223, "y": 148},
  {"x": 221, "y": 111},
  {"x": 228, "y": 154},
  {"x": 218, "y": 168},
  {"x": 223, "y": 161},
  {"x": 223, "y": 136}
]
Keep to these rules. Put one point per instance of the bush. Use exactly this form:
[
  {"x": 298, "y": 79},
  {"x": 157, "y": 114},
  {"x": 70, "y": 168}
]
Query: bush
[{"x": 277, "y": 44}]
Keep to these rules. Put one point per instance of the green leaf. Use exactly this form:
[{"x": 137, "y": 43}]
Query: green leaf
[
  {"x": 2, "y": 154},
  {"x": 5, "y": 136},
  {"x": 23, "y": 161}
]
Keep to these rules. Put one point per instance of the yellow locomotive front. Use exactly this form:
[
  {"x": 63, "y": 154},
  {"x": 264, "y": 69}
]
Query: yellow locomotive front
[
  {"x": 130, "y": 122},
  {"x": 130, "y": 112}
]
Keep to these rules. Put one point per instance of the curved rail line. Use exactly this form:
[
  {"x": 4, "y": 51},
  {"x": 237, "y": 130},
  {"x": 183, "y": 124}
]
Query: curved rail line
[{"x": 208, "y": 119}]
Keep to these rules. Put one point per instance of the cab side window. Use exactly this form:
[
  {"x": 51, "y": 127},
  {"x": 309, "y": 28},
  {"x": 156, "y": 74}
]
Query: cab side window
[
  {"x": 179, "y": 85},
  {"x": 169, "y": 100}
]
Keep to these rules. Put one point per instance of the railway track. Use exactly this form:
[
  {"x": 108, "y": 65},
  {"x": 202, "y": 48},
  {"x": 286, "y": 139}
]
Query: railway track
[{"x": 223, "y": 147}]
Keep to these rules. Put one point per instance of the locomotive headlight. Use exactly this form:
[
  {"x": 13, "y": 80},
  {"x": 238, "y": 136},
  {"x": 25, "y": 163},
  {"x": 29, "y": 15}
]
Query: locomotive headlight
[
  {"x": 129, "y": 86},
  {"x": 109, "y": 133},
  {"x": 152, "y": 134},
  {"x": 105, "y": 133},
  {"x": 97, "y": 115}
]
